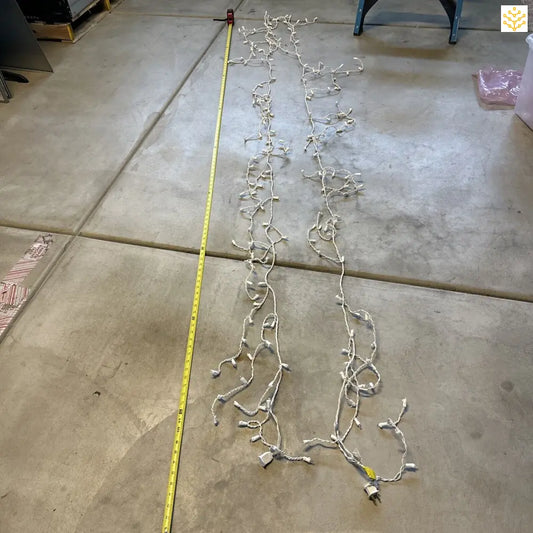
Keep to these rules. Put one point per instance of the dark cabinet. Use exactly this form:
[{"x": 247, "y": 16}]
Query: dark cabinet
[{"x": 53, "y": 11}]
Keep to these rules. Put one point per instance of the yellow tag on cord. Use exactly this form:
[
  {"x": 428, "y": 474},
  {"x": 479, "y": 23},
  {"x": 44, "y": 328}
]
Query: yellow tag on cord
[{"x": 369, "y": 472}]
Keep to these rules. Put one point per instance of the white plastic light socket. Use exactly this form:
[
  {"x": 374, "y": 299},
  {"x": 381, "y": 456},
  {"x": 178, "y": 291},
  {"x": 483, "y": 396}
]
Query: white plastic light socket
[{"x": 265, "y": 459}]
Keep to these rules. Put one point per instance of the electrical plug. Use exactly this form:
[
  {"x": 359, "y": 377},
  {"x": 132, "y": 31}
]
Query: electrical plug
[{"x": 372, "y": 492}]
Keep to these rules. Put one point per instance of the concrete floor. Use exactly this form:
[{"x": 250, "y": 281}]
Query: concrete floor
[{"x": 111, "y": 153}]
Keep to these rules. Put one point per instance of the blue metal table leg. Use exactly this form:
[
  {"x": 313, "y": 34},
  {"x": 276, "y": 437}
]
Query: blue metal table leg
[
  {"x": 359, "y": 18},
  {"x": 455, "y": 23},
  {"x": 453, "y": 9},
  {"x": 363, "y": 7}
]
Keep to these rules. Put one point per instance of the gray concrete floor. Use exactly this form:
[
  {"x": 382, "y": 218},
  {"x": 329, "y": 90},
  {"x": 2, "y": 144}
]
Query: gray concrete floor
[{"x": 111, "y": 153}]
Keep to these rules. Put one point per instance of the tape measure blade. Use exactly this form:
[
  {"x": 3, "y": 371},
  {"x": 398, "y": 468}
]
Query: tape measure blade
[{"x": 182, "y": 406}]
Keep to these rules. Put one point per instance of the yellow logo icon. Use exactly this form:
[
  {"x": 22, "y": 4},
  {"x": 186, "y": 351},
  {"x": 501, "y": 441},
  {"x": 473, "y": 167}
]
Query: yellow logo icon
[{"x": 514, "y": 18}]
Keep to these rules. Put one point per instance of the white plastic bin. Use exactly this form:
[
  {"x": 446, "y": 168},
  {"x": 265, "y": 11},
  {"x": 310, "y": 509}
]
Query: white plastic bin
[{"x": 524, "y": 102}]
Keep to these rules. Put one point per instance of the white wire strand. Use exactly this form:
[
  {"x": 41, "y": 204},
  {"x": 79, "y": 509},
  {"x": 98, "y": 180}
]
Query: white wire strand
[{"x": 279, "y": 35}]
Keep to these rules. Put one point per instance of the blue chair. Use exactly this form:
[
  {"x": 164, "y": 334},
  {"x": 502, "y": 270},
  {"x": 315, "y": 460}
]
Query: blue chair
[{"x": 453, "y": 9}]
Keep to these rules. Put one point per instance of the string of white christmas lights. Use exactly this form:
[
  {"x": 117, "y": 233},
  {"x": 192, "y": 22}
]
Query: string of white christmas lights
[
  {"x": 260, "y": 196},
  {"x": 317, "y": 81}
]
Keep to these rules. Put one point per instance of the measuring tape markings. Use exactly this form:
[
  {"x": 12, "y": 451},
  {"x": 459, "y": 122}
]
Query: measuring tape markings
[{"x": 182, "y": 406}]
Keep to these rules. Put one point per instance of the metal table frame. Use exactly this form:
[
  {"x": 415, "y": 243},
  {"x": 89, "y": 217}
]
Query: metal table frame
[{"x": 453, "y": 9}]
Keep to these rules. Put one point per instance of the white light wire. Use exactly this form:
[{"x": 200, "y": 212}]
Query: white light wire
[
  {"x": 321, "y": 237},
  {"x": 260, "y": 197}
]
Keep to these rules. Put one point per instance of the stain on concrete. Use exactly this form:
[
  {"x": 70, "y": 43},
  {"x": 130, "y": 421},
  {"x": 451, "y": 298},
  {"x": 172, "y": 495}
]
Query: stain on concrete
[{"x": 507, "y": 385}]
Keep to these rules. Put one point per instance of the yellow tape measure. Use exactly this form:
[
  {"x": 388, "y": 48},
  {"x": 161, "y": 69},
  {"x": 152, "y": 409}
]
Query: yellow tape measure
[{"x": 180, "y": 419}]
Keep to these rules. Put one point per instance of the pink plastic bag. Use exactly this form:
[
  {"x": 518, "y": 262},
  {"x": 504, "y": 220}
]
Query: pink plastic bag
[{"x": 498, "y": 86}]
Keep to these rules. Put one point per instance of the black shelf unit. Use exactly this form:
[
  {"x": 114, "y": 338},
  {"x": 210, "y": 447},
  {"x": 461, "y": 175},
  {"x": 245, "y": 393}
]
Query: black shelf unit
[{"x": 53, "y": 11}]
